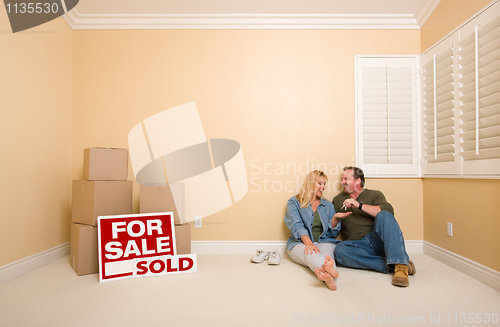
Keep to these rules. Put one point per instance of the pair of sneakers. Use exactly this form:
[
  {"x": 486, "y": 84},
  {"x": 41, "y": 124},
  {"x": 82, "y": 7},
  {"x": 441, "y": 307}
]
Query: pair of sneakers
[{"x": 273, "y": 257}]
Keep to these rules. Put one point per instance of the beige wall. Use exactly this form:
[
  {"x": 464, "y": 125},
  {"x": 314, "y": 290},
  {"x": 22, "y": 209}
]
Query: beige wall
[
  {"x": 470, "y": 206},
  {"x": 448, "y": 15},
  {"x": 406, "y": 197},
  {"x": 467, "y": 204},
  {"x": 286, "y": 96},
  {"x": 35, "y": 104}
]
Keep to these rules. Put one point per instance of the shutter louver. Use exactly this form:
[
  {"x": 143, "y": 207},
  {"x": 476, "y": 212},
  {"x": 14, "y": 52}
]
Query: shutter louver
[
  {"x": 438, "y": 108},
  {"x": 387, "y": 115},
  {"x": 480, "y": 99}
]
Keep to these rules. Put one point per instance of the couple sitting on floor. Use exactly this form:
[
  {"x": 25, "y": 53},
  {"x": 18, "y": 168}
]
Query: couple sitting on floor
[{"x": 372, "y": 237}]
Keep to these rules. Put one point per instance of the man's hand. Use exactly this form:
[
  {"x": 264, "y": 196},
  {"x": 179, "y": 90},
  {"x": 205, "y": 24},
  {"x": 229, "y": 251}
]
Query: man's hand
[
  {"x": 351, "y": 203},
  {"x": 369, "y": 209}
]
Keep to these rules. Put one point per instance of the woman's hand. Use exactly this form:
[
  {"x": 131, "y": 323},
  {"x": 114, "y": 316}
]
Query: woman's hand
[
  {"x": 341, "y": 215},
  {"x": 337, "y": 216},
  {"x": 311, "y": 249}
]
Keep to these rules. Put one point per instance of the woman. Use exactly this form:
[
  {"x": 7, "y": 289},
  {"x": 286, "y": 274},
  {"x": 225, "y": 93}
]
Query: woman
[{"x": 313, "y": 229}]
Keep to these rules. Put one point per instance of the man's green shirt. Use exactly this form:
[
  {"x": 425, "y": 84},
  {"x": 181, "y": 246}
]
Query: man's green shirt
[{"x": 359, "y": 223}]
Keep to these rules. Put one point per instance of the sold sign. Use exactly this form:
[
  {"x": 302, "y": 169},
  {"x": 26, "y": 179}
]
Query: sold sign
[{"x": 141, "y": 245}]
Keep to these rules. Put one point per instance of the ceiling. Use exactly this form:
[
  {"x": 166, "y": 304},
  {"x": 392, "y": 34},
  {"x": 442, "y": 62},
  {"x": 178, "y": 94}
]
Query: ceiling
[{"x": 228, "y": 14}]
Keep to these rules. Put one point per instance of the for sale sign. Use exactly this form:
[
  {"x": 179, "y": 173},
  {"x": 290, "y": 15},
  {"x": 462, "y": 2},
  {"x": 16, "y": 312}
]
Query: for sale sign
[{"x": 141, "y": 245}]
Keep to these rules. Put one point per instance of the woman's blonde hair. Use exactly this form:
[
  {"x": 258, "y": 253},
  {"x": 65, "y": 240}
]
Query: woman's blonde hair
[{"x": 308, "y": 188}]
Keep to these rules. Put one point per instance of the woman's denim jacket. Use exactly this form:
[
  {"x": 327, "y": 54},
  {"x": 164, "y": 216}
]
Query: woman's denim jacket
[{"x": 299, "y": 221}]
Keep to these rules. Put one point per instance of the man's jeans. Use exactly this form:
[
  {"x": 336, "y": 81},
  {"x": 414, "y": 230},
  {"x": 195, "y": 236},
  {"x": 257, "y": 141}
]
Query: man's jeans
[{"x": 384, "y": 246}]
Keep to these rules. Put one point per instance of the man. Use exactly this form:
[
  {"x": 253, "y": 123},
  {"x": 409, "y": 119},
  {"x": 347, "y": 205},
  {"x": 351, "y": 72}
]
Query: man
[{"x": 372, "y": 236}]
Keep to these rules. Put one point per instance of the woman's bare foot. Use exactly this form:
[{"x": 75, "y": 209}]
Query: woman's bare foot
[
  {"x": 329, "y": 267},
  {"x": 327, "y": 278}
]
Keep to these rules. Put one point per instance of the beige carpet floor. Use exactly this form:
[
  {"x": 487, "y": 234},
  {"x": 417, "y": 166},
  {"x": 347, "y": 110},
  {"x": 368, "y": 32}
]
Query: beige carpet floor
[{"x": 228, "y": 290}]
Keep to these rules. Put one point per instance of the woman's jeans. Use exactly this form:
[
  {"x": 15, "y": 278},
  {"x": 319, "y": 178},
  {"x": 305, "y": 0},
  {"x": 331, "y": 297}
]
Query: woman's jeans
[{"x": 382, "y": 247}]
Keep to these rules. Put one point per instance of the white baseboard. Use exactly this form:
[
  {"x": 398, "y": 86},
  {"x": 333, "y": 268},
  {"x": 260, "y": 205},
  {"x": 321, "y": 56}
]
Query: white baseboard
[
  {"x": 414, "y": 247},
  {"x": 28, "y": 264},
  {"x": 250, "y": 247},
  {"x": 236, "y": 247},
  {"x": 471, "y": 268}
]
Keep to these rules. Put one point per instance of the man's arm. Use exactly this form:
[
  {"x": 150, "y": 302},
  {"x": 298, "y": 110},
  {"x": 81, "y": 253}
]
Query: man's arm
[
  {"x": 379, "y": 203},
  {"x": 372, "y": 210}
]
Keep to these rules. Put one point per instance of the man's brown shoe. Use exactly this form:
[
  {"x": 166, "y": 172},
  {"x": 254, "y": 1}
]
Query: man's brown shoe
[
  {"x": 411, "y": 268},
  {"x": 400, "y": 276}
]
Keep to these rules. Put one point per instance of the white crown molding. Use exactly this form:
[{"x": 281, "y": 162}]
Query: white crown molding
[
  {"x": 425, "y": 10},
  {"x": 70, "y": 17},
  {"x": 80, "y": 21}
]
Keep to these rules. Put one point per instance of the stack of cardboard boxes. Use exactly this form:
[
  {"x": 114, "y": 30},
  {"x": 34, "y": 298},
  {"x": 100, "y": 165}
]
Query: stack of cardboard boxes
[{"x": 105, "y": 191}]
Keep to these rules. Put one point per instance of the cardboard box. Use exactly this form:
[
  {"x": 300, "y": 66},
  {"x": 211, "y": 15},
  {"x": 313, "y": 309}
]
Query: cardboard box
[
  {"x": 163, "y": 199},
  {"x": 183, "y": 238},
  {"x": 83, "y": 249},
  {"x": 100, "y": 198},
  {"x": 103, "y": 164}
]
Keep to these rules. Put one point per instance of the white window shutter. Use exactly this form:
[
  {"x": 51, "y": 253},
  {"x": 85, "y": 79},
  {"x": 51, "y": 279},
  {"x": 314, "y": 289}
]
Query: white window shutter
[
  {"x": 473, "y": 149},
  {"x": 386, "y": 116},
  {"x": 479, "y": 87},
  {"x": 438, "y": 109}
]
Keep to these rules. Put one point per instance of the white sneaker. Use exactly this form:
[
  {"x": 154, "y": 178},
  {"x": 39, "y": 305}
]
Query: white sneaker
[
  {"x": 274, "y": 258},
  {"x": 260, "y": 256}
]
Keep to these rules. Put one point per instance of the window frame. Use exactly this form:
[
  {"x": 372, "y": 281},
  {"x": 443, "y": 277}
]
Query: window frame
[{"x": 388, "y": 170}]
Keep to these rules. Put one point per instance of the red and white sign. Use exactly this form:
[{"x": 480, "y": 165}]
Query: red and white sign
[{"x": 140, "y": 245}]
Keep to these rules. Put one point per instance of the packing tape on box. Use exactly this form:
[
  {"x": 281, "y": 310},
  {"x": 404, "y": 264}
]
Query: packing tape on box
[{"x": 171, "y": 146}]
